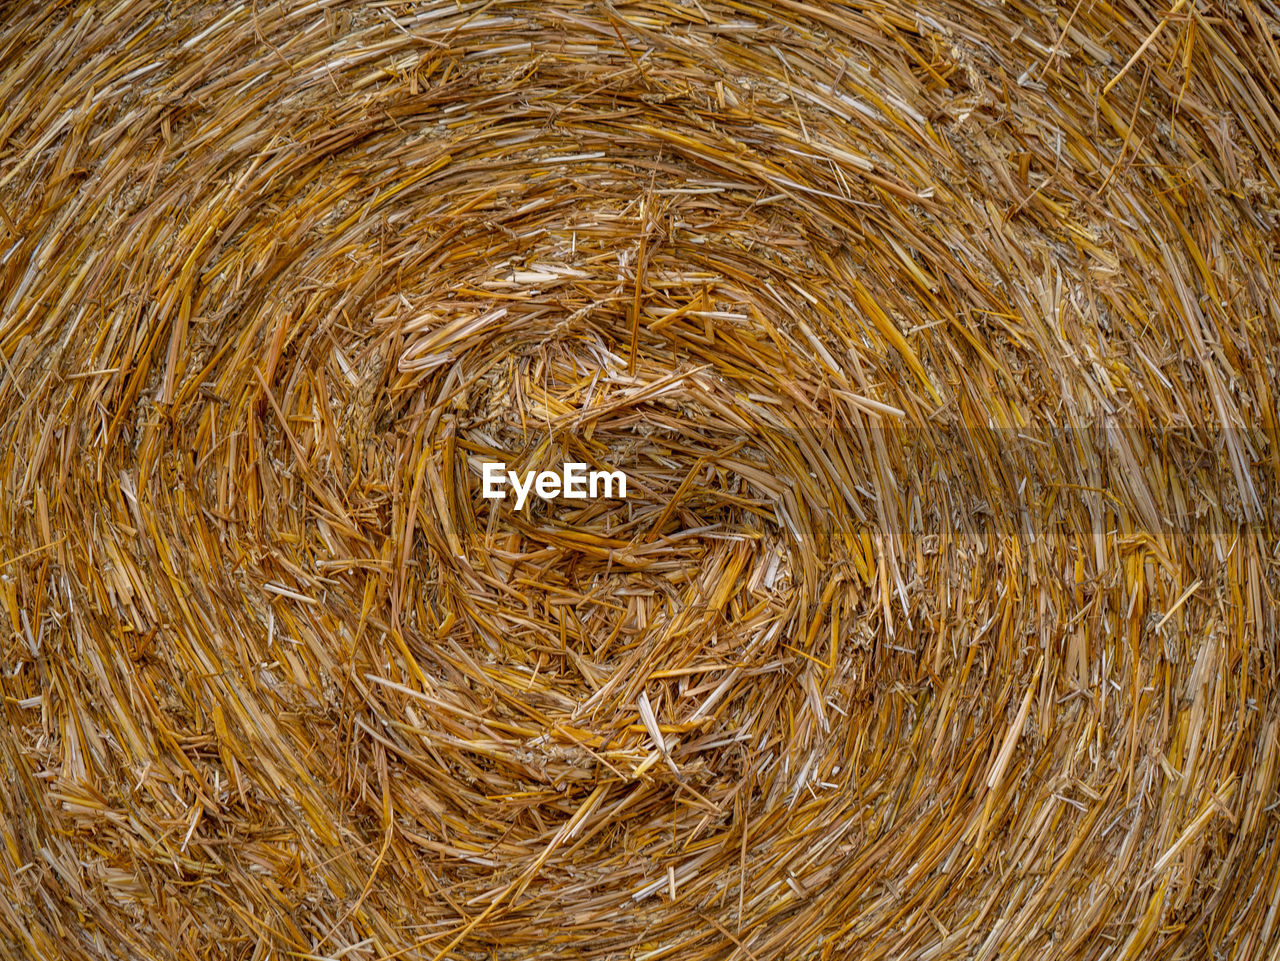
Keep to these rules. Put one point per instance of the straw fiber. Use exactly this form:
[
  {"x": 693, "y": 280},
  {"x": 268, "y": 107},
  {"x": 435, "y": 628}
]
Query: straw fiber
[{"x": 939, "y": 345}]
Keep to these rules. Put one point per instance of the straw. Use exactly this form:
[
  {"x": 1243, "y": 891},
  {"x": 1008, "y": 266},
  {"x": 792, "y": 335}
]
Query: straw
[{"x": 938, "y": 344}]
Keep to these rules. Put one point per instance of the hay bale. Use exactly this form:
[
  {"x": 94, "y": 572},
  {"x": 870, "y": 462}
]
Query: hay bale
[{"x": 939, "y": 346}]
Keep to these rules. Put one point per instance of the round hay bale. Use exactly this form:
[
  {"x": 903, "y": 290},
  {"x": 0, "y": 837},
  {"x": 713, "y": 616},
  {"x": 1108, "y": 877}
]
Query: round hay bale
[{"x": 937, "y": 345}]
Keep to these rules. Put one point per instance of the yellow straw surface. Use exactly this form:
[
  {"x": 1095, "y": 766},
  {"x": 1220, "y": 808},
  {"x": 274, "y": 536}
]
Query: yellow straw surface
[{"x": 939, "y": 343}]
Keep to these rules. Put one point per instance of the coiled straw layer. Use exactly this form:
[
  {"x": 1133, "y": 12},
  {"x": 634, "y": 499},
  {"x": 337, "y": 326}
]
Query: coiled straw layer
[{"x": 938, "y": 343}]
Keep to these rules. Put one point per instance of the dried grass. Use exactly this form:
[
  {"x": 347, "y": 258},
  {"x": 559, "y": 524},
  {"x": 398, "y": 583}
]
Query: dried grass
[{"x": 940, "y": 343}]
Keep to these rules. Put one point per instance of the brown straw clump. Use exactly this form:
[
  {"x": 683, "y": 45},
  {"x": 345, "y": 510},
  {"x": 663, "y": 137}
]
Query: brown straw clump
[{"x": 939, "y": 346}]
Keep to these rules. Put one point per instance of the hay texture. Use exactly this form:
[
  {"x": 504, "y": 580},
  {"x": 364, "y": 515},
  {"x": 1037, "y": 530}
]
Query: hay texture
[{"x": 938, "y": 342}]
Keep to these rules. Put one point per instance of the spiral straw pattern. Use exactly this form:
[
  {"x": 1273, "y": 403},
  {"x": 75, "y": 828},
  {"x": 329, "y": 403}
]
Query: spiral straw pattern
[{"x": 938, "y": 343}]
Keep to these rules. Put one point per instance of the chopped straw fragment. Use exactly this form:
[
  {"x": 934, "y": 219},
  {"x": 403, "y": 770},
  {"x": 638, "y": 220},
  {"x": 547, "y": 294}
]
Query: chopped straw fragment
[{"x": 939, "y": 344}]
